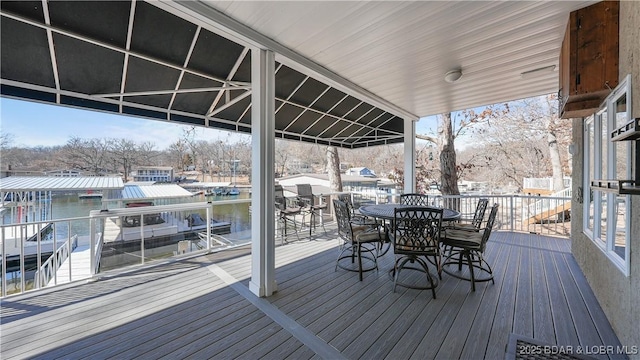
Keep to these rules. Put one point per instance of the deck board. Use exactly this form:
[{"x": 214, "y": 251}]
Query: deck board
[
  {"x": 595, "y": 311},
  {"x": 565, "y": 330},
  {"x": 542, "y": 321},
  {"x": 478, "y": 337},
  {"x": 587, "y": 334},
  {"x": 183, "y": 309},
  {"x": 523, "y": 320},
  {"x": 144, "y": 330}
]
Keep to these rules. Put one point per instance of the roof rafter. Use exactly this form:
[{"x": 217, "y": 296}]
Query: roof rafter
[
  {"x": 184, "y": 65},
  {"x": 52, "y": 51}
]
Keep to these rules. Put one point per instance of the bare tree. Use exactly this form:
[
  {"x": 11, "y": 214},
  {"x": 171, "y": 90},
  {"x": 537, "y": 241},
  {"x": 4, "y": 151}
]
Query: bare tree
[
  {"x": 189, "y": 139},
  {"x": 6, "y": 140},
  {"x": 86, "y": 154},
  {"x": 147, "y": 153},
  {"x": 127, "y": 154},
  {"x": 285, "y": 156},
  {"x": 333, "y": 168},
  {"x": 449, "y": 173},
  {"x": 525, "y": 142},
  {"x": 178, "y": 152},
  {"x": 124, "y": 152},
  {"x": 445, "y": 141},
  {"x": 205, "y": 150}
]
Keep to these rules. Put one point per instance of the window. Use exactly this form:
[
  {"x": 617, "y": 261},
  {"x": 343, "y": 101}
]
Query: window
[{"x": 607, "y": 219}]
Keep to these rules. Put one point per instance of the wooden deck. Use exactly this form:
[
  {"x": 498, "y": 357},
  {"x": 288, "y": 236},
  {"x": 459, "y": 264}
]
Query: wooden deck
[{"x": 201, "y": 308}]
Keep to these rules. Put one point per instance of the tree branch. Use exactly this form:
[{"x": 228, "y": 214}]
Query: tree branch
[{"x": 427, "y": 138}]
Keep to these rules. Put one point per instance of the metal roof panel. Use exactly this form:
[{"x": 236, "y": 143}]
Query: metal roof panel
[{"x": 38, "y": 183}]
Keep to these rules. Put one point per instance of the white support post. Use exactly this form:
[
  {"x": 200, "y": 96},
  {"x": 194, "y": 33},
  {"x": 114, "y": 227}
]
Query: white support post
[
  {"x": 263, "y": 244},
  {"x": 409, "y": 156}
]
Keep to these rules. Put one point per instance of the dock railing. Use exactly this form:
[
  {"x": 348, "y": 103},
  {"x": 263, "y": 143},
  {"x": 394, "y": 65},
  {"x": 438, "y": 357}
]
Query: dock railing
[{"x": 48, "y": 270}]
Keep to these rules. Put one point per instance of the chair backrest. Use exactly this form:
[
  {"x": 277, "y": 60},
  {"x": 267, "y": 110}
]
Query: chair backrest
[
  {"x": 414, "y": 199},
  {"x": 305, "y": 192},
  {"x": 478, "y": 216},
  {"x": 280, "y": 200},
  {"x": 346, "y": 198},
  {"x": 343, "y": 218},
  {"x": 417, "y": 229},
  {"x": 487, "y": 230}
]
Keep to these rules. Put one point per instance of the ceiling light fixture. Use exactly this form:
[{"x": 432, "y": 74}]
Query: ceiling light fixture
[
  {"x": 453, "y": 75},
  {"x": 536, "y": 72}
]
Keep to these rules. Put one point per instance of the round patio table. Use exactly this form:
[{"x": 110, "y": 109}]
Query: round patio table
[{"x": 386, "y": 212}]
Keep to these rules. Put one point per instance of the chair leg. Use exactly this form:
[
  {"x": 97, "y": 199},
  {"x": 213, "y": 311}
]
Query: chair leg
[
  {"x": 471, "y": 271},
  {"x": 285, "y": 221},
  {"x": 360, "y": 261},
  {"x": 438, "y": 262},
  {"x": 488, "y": 269}
]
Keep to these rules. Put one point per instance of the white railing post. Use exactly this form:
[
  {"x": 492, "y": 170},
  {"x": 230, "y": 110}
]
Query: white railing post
[
  {"x": 92, "y": 246},
  {"x": 4, "y": 264},
  {"x": 23, "y": 235},
  {"x": 142, "y": 238},
  {"x": 320, "y": 202},
  {"x": 209, "y": 227},
  {"x": 55, "y": 253},
  {"x": 98, "y": 250},
  {"x": 512, "y": 213},
  {"x": 38, "y": 252}
]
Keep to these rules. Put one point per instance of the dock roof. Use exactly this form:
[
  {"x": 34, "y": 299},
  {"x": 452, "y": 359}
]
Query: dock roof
[
  {"x": 149, "y": 192},
  {"x": 43, "y": 183}
]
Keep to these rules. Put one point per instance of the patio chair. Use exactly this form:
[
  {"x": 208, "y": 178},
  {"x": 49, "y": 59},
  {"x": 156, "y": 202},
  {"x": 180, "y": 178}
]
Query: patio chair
[
  {"x": 286, "y": 214},
  {"x": 470, "y": 224},
  {"x": 478, "y": 216},
  {"x": 356, "y": 217},
  {"x": 469, "y": 244},
  {"x": 305, "y": 193},
  {"x": 416, "y": 241},
  {"x": 357, "y": 239},
  {"x": 414, "y": 199}
]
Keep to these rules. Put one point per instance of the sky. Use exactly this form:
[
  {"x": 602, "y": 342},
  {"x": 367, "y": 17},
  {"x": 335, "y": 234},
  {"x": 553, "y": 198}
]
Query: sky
[{"x": 34, "y": 124}]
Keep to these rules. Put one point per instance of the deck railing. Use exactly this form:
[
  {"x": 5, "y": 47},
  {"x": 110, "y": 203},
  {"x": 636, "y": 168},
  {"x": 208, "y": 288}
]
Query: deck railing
[
  {"x": 30, "y": 261},
  {"x": 550, "y": 202},
  {"x": 106, "y": 251},
  {"x": 516, "y": 212},
  {"x": 543, "y": 183}
]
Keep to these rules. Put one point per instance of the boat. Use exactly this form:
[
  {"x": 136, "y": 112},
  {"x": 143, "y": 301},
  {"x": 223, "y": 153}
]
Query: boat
[
  {"x": 21, "y": 240},
  {"x": 234, "y": 191},
  {"x": 90, "y": 195},
  {"x": 196, "y": 222}
]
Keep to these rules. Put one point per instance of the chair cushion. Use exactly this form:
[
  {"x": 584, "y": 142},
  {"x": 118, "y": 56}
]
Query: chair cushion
[
  {"x": 290, "y": 211},
  {"x": 369, "y": 235},
  {"x": 462, "y": 238},
  {"x": 461, "y": 226},
  {"x": 424, "y": 248}
]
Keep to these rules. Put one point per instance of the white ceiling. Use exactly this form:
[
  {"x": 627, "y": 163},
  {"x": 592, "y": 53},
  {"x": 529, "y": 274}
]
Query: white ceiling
[{"x": 400, "y": 51}]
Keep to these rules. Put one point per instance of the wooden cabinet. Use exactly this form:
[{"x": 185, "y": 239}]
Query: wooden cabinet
[{"x": 589, "y": 59}]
